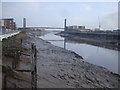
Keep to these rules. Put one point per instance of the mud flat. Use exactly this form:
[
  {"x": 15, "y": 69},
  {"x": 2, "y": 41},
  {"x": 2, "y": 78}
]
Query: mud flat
[{"x": 60, "y": 68}]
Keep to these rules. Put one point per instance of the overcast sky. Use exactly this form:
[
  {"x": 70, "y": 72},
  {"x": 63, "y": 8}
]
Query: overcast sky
[{"x": 54, "y": 13}]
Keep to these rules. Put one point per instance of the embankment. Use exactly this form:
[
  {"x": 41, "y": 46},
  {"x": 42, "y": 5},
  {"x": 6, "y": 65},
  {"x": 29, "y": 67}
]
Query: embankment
[{"x": 99, "y": 39}]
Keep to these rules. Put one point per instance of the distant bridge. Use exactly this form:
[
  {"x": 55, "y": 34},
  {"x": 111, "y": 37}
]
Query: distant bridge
[
  {"x": 41, "y": 28},
  {"x": 38, "y": 27}
]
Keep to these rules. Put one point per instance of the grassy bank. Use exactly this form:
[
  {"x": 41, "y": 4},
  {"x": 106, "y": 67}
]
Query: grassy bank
[{"x": 14, "y": 40}]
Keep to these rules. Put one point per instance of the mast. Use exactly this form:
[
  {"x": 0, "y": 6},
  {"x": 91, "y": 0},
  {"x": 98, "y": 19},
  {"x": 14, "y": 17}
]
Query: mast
[{"x": 99, "y": 23}]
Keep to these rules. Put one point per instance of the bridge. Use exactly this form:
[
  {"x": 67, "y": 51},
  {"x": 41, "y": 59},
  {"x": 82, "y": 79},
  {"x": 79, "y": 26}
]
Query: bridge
[{"x": 40, "y": 28}]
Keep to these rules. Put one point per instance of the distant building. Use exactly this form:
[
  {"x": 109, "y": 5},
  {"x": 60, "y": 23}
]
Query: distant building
[
  {"x": 8, "y": 24},
  {"x": 116, "y": 31},
  {"x": 97, "y": 29},
  {"x": 77, "y": 28},
  {"x": 81, "y": 27},
  {"x": 85, "y": 30}
]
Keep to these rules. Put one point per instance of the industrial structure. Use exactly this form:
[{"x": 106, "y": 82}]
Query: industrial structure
[
  {"x": 77, "y": 28},
  {"x": 65, "y": 25},
  {"x": 24, "y": 23}
]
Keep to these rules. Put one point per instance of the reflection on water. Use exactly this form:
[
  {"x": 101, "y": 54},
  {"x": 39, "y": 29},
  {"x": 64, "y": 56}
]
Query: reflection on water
[{"x": 93, "y": 54}]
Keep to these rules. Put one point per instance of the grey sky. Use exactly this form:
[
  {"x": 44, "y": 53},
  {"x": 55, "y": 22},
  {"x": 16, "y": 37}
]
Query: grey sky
[{"x": 53, "y": 13}]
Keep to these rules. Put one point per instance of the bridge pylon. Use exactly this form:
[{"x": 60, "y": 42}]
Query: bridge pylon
[{"x": 65, "y": 25}]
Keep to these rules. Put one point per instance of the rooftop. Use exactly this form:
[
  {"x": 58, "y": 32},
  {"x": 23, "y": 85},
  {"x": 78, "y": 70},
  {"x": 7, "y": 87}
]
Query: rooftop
[{"x": 7, "y": 19}]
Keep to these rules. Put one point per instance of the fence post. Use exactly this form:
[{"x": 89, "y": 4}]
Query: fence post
[
  {"x": 32, "y": 82},
  {"x": 21, "y": 41},
  {"x": 35, "y": 58},
  {"x": 34, "y": 69},
  {"x": 5, "y": 82},
  {"x": 32, "y": 46}
]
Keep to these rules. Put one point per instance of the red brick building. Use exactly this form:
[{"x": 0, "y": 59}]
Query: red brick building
[{"x": 8, "y": 23}]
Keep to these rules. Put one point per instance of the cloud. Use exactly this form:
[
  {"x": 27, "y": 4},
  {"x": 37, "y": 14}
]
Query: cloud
[
  {"x": 110, "y": 21},
  {"x": 64, "y": 12},
  {"x": 59, "y": 0},
  {"x": 86, "y": 7},
  {"x": 53, "y": 14}
]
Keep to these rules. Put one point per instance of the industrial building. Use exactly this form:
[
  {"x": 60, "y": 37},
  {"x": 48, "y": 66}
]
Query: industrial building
[{"x": 77, "y": 28}]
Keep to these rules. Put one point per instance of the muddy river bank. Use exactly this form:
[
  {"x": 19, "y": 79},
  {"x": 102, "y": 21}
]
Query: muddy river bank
[
  {"x": 58, "y": 67},
  {"x": 61, "y": 68}
]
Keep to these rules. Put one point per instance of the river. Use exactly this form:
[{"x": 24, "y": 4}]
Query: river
[{"x": 93, "y": 54}]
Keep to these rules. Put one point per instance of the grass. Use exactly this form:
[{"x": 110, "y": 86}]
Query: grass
[
  {"x": 11, "y": 47},
  {"x": 9, "y": 42},
  {"x": 14, "y": 40}
]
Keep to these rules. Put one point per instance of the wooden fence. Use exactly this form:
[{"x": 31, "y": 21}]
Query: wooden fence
[{"x": 17, "y": 52}]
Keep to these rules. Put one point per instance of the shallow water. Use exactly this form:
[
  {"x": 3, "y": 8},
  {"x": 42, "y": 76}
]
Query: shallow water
[{"x": 94, "y": 54}]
